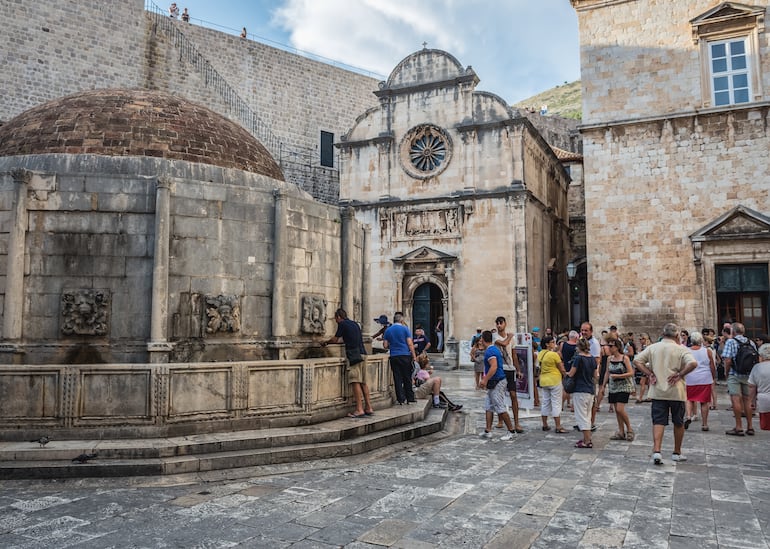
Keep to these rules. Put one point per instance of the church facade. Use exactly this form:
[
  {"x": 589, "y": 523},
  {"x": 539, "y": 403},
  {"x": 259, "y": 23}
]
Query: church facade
[
  {"x": 466, "y": 204},
  {"x": 676, "y": 105}
]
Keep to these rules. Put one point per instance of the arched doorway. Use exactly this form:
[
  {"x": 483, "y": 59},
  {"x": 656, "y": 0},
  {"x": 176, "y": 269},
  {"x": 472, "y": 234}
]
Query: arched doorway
[{"x": 427, "y": 306}]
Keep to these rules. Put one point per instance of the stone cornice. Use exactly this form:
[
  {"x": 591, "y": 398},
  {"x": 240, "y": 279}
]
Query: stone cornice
[
  {"x": 452, "y": 82},
  {"x": 584, "y": 5},
  {"x": 517, "y": 188},
  {"x": 671, "y": 116}
]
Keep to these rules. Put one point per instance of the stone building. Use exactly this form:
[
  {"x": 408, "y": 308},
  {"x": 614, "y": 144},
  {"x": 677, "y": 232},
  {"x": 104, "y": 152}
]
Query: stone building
[
  {"x": 675, "y": 139},
  {"x": 466, "y": 203}
]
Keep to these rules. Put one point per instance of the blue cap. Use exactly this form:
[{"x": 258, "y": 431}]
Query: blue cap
[{"x": 535, "y": 329}]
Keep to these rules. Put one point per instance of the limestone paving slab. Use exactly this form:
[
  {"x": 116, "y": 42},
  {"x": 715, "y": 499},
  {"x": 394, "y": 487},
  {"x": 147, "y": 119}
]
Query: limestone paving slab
[{"x": 449, "y": 489}]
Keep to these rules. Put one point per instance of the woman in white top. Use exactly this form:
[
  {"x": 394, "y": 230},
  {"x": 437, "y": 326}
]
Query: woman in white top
[
  {"x": 699, "y": 381},
  {"x": 759, "y": 387}
]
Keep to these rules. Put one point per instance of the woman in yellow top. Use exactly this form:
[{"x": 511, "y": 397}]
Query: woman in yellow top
[{"x": 551, "y": 372}]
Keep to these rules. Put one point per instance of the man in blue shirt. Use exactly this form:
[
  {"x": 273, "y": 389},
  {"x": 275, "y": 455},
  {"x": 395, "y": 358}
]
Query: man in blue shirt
[
  {"x": 398, "y": 339},
  {"x": 495, "y": 382}
]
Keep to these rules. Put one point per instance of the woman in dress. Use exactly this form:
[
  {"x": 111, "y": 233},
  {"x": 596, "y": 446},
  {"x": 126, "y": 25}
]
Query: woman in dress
[
  {"x": 700, "y": 381},
  {"x": 619, "y": 381},
  {"x": 641, "y": 379},
  {"x": 551, "y": 373},
  {"x": 584, "y": 371}
]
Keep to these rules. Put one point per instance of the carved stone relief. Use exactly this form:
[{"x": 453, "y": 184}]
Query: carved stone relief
[
  {"x": 313, "y": 314},
  {"x": 85, "y": 312},
  {"x": 223, "y": 314},
  {"x": 425, "y": 224}
]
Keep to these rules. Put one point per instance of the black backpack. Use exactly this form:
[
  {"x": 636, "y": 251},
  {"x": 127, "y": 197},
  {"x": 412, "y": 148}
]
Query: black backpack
[{"x": 745, "y": 358}]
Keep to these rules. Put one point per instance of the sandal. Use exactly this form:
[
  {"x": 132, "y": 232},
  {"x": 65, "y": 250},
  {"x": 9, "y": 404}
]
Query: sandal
[
  {"x": 704, "y": 428},
  {"x": 561, "y": 430},
  {"x": 356, "y": 416},
  {"x": 750, "y": 432},
  {"x": 618, "y": 436},
  {"x": 581, "y": 444},
  {"x": 687, "y": 423},
  {"x": 546, "y": 428},
  {"x": 630, "y": 436},
  {"x": 735, "y": 432}
]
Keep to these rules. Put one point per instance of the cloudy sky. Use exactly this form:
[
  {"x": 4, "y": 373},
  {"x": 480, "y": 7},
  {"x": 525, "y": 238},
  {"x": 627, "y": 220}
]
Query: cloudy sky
[{"x": 518, "y": 48}]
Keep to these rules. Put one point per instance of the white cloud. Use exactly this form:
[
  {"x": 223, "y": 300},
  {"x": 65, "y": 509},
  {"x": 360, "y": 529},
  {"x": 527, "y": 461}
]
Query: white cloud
[{"x": 517, "y": 47}]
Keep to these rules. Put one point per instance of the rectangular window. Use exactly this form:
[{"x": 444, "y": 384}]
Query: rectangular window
[
  {"x": 327, "y": 149},
  {"x": 729, "y": 72}
]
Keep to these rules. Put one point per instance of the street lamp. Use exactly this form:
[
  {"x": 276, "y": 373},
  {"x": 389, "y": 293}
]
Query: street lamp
[{"x": 571, "y": 270}]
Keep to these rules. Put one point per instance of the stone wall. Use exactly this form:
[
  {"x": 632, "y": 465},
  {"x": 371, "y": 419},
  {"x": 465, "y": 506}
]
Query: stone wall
[
  {"x": 648, "y": 187},
  {"x": 295, "y": 98},
  {"x": 90, "y": 224},
  {"x": 150, "y": 400}
]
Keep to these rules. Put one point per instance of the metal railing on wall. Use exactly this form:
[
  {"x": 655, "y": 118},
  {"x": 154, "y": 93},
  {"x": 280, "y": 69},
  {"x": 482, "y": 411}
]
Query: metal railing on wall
[{"x": 161, "y": 22}]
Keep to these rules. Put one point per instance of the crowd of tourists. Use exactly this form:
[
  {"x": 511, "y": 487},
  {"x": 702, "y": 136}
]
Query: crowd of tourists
[{"x": 677, "y": 375}]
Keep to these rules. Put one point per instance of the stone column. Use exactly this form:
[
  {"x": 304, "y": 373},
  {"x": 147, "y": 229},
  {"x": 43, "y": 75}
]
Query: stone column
[
  {"x": 14, "y": 279},
  {"x": 398, "y": 272},
  {"x": 280, "y": 264},
  {"x": 159, "y": 347},
  {"x": 366, "y": 312},
  {"x": 348, "y": 244},
  {"x": 451, "y": 345}
]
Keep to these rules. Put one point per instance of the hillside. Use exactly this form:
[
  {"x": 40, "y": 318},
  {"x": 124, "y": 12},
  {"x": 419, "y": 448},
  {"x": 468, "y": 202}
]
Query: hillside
[{"x": 564, "y": 101}]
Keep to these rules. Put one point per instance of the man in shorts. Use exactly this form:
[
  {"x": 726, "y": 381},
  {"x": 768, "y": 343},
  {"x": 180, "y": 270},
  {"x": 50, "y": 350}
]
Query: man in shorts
[
  {"x": 738, "y": 384},
  {"x": 495, "y": 383},
  {"x": 349, "y": 333},
  {"x": 666, "y": 363}
]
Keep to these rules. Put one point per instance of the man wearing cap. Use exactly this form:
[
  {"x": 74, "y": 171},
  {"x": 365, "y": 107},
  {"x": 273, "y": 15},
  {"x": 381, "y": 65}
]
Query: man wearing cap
[
  {"x": 398, "y": 339},
  {"x": 382, "y": 320},
  {"x": 420, "y": 340},
  {"x": 536, "y": 338}
]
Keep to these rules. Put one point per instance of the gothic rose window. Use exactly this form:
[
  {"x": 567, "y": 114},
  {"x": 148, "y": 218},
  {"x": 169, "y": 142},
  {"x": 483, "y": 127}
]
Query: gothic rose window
[{"x": 425, "y": 151}]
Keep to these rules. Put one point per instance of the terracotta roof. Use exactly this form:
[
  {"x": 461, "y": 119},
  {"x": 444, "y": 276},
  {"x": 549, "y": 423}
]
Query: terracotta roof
[
  {"x": 566, "y": 156},
  {"x": 119, "y": 122}
]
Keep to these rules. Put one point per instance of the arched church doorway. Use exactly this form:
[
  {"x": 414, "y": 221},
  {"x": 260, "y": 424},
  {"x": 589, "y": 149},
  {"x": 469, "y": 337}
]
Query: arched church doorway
[{"x": 427, "y": 306}]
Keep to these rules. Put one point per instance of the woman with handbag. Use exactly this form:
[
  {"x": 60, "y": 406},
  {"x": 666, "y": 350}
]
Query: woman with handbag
[
  {"x": 584, "y": 371},
  {"x": 619, "y": 381},
  {"x": 551, "y": 372}
]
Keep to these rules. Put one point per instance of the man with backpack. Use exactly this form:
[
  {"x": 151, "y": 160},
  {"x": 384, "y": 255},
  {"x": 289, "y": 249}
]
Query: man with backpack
[{"x": 739, "y": 357}]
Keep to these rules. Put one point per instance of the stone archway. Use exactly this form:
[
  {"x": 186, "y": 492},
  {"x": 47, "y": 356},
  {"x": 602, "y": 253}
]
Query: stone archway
[{"x": 432, "y": 267}]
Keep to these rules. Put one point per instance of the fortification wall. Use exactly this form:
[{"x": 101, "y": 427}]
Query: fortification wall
[{"x": 49, "y": 55}]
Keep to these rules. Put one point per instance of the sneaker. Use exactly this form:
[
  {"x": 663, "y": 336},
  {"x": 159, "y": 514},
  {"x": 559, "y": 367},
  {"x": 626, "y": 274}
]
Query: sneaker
[
  {"x": 575, "y": 427},
  {"x": 593, "y": 428},
  {"x": 456, "y": 408},
  {"x": 507, "y": 436},
  {"x": 657, "y": 459},
  {"x": 485, "y": 434},
  {"x": 440, "y": 405},
  {"x": 678, "y": 457}
]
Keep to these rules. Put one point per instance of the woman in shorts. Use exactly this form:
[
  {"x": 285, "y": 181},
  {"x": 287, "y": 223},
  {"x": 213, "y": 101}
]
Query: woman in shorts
[{"x": 619, "y": 383}]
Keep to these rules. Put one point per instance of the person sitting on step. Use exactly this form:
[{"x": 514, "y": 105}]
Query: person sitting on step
[{"x": 427, "y": 386}]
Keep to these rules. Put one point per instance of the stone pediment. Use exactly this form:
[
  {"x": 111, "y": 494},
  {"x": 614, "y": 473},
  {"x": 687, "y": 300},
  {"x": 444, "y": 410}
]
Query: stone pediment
[
  {"x": 739, "y": 223},
  {"x": 727, "y": 15},
  {"x": 425, "y": 254}
]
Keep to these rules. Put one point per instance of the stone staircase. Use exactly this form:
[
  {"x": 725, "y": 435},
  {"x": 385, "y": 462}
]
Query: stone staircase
[{"x": 215, "y": 451}]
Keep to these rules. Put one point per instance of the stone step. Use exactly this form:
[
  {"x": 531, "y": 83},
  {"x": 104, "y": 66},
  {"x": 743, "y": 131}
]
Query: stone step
[{"x": 214, "y": 451}]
